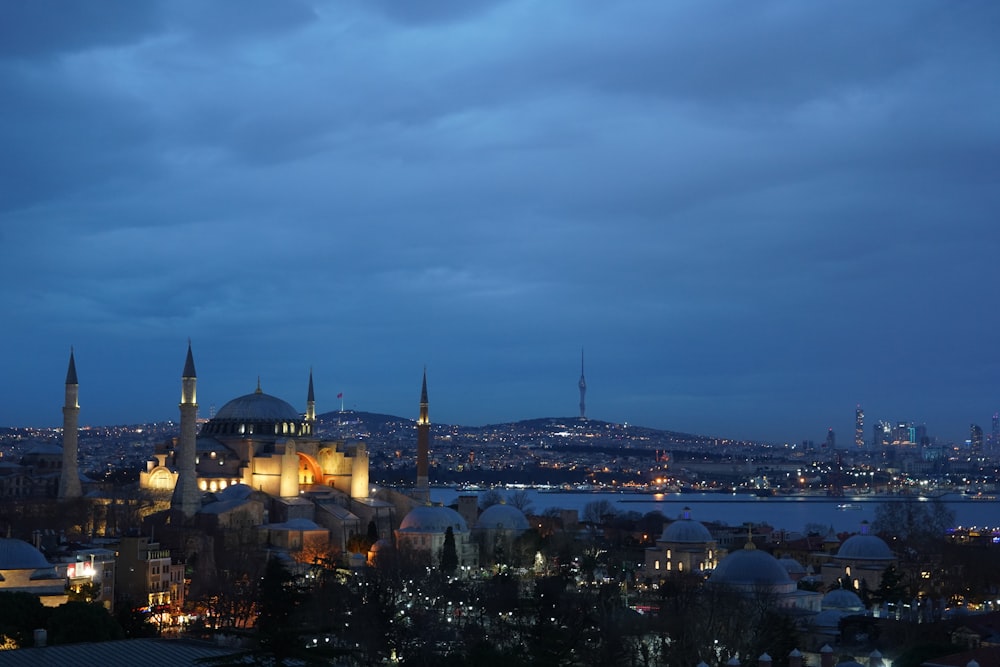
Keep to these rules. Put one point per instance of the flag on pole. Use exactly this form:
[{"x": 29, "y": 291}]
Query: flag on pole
[{"x": 340, "y": 395}]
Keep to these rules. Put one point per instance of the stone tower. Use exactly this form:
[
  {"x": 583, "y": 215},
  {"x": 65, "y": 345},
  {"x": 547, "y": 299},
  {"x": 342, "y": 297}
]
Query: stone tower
[
  {"x": 187, "y": 496},
  {"x": 311, "y": 407},
  {"x": 69, "y": 478},
  {"x": 423, "y": 489}
]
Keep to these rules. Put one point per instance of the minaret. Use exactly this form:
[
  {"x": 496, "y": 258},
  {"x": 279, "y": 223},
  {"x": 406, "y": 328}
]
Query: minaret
[
  {"x": 69, "y": 478},
  {"x": 423, "y": 489},
  {"x": 583, "y": 389},
  {"x": 187, "y": 497},
  {"x": 310, "y": 407}
]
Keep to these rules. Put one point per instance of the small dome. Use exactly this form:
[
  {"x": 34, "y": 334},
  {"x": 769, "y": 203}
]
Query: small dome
[
  {"x": 381, "y": 546},
  {"x": 433, "y": 519},
  {"x": 828, "y": 619},
  {"x": 792, "y": 566},
  {"x": 864, "y": 547},
  {"x": 842, "y": 599},
  {"x": 752, "y": 568},
  {"x": 257, "y": 407},
  {"x": 19, "y": 555},
  {"x": 687, "y": 531},
  {"x": 502, "y": 517}
]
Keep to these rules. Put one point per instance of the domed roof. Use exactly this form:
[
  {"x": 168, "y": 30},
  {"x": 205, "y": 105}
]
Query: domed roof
[
  {"x": 687, "y": 531},
  {"x": 842, "y": 599},
  {"x": 827, "y": 619},
  {"x": 502, "y": 517},
  {"x": 19, "y": 555},
  {"x": 257, "y": 407},
  {"x": 380, "y": 546},
  {"x": 751, "y": 568},
  {"x": 792, "y": 566},
  {"x": 433, "y": 519},
  {"x": 864, "y": 547}
]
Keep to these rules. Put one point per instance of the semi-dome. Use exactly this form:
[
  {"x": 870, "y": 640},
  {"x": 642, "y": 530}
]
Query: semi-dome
[
  {"x": 257, "y": 407},
  {"x": 502, "y": 517},
  {"x": 752, "y": 569},
  {"x": 433, "y": 519},
  {"x": 842, "y": 599},
  {"x": 864, "y": 547},
  {"x": 19, "y": 555}
]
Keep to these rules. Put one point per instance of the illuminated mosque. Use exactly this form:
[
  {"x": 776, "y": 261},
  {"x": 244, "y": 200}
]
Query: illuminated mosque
[{"x": 257, "y": 440}]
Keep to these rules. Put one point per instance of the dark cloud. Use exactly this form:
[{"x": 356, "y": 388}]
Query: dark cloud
[
  {"x": 751, "y": 216},
  {"x": 45, "y": 28}
]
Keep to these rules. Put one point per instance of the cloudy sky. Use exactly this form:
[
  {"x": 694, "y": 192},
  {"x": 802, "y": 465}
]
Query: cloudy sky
[{"x": 750, "y": 215}]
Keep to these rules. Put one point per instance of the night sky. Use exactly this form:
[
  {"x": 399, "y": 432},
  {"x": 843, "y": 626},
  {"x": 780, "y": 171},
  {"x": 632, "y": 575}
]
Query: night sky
[{"x": 751, "y": 216}]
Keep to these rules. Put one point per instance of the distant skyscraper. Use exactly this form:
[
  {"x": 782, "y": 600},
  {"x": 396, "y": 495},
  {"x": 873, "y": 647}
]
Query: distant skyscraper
[
  {"x": 976, "y": 438},
  {"x": 831, "y": 439},
  {"x": 583, "y": 390},
  {"x": 859, "y": 427},
  {"x": 996, "y": 431},
  {"x": 882, "y": 434}
]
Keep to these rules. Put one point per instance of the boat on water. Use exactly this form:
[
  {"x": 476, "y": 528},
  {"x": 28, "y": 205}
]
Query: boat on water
[{"x": 849, "y": 506}]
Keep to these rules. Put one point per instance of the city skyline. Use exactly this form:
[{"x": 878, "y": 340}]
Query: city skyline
[{"x": 752, "y": 217}]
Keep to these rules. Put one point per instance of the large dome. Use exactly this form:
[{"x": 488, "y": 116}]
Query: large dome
[
  {"x": 751, "y": 569},
  {"x": 257, "y": 407},
  {"x": 257, "y": 415},
  {"x": 864, "y": 547},
  {"x": 433, "y": 519},
  {"x": 19, "y": 555},
  {"x": 502, "y": 517}
]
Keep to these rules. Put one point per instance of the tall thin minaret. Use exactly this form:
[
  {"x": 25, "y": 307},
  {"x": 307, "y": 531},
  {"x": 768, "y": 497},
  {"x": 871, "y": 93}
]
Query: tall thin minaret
[
  {"x": 583, "y": 389},
  {"x": 187, "y": 497},
  {"x": 310, "y": 407},
  {"x": 423, "y": 489},
  {"x": 69, "y": 478}
]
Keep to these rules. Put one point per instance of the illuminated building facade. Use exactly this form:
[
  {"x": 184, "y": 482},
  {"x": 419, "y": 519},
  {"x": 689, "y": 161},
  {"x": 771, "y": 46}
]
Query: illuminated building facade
[
  {"x": 257, "y": 440},
  {"x": 684, "y": 546},
  {"x": 94, "y": 569},
  {"x": 976, "y": 438},
  {"x": 146, "y": 575}
]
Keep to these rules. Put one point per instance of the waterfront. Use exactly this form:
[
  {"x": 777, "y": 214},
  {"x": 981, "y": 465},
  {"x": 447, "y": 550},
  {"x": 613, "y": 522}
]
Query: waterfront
[{"x": 792, "y": 513}]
